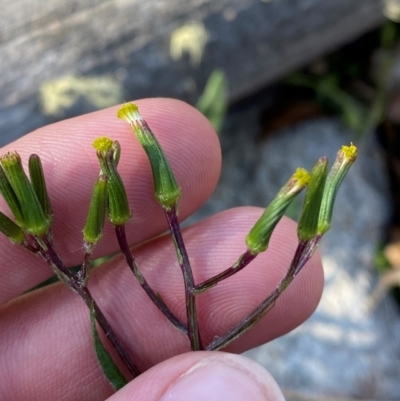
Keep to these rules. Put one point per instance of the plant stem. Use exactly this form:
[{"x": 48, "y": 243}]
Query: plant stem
[
  {"x": 123, "y": 244},
  {"x": 303, "y": 253},
  {"x": 86, "y": 265},
  {"x": 183, "y": 260},
  {"x": 77, "y": 285},
  {"x": 241, "y": 263}
]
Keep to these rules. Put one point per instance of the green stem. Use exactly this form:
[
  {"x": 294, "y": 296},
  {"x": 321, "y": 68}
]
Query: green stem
[{"x": 183, "y": 260}]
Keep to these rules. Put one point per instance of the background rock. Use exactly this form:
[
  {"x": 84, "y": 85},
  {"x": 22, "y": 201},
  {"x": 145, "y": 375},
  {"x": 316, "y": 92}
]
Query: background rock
[{"x": 55, "y": 56}]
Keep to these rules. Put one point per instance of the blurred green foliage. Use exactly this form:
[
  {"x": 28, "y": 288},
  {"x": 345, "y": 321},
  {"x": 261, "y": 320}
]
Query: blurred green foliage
[
  {"x": 213, "y": 102},
  {"x": 365, "y": 65}
]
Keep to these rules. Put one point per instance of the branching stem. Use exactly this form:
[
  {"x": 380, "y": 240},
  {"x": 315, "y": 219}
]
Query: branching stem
[
  {"x": 303, "y": 253},
  {"x": 241, "y": 263},
  {"x": 183, "y": 260},
  {"x": 77, "y": 285},
  {"x": 157, "y": 300}
]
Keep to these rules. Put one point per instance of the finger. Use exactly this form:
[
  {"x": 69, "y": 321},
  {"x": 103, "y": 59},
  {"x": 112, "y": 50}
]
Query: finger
[
  {"x": 71, "y": 168},
  {"x": 203, "y": 376},
  {"x": 47, "y": 332}
]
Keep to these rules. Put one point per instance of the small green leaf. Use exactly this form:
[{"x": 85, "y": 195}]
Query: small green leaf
[
  {"x": 110, "y": 369},
  {"x": 213, "y": 102}
]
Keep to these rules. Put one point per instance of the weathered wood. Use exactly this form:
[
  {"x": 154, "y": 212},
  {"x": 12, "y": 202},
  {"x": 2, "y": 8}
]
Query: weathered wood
[{"x": 128, "y": 44}]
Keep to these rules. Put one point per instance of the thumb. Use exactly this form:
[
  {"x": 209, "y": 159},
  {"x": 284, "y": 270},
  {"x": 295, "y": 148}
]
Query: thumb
[{"x": 203, "y": 376}]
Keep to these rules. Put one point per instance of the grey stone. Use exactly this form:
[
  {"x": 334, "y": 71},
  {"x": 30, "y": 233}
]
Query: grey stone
[{"x": 53, "y": 54}]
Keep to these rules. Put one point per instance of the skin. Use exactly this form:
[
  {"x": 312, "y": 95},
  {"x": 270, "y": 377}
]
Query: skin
[{"x": 45, "y": 340}]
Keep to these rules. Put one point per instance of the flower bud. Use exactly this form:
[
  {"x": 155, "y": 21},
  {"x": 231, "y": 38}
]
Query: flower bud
[
  {"x": 39, "y": 184},
  {"x": 258, "y": 238},
  {"x": 118, "y": 206},
  {"x": 308, "y": 222},
  {"x": 344, "y": 159},
  {"x": 93, "y": 229},
  {"x": 166, "y": 189},
  {"x": 35, "y": 221},
  {"x": 11, "y": 199},
  {"x": 102, "y": 144},
  {"x": 11, "y": 230}
]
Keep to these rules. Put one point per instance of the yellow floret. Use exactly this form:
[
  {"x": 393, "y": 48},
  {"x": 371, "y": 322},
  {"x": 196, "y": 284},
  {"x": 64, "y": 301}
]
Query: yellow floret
[
  {"x": 349, "y": 152},
  {"x": 129, "y": 112},
  {"x": 302, "y": 176},
  {"x": 102, "y": 143}
]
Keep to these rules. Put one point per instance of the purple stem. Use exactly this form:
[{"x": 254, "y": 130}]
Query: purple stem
[
  {"x": 86, "y": 265},
  {"x": 73, "y": 281},
  {"x": 303, "y": 253},
  {"x": 123, "y": 244},
  {"x": 183, "y": 260},
  {"x": 242, "y": 262}
]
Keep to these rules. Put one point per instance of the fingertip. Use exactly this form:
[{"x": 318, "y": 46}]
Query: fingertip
[{"x": 203, "y": 376}]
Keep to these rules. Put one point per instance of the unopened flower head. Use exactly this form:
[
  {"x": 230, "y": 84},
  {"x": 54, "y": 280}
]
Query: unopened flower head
[
  {"x": 166, "y": 189},
  {"x": 344, "y": 159},
  {"x": 103, "y": 144},
  {"x": 11, "y": 199},
  {"x": 259, "y": 236},
  {"x": 308, "y": 222},
  {"x": 11, "y": 230},
  {"x": 38, "y": 181},
  {"x": 35, "y": 221},
  {"x": 93, "y": 229},
  {"x": 118, "y": 206}
]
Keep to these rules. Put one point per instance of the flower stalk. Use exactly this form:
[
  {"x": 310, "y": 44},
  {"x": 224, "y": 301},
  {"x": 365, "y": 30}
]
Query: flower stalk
[
  {"x": 157, "y": 300},
  {"x": 167, "y": 193},
  {"x": 184, "y": 264}
]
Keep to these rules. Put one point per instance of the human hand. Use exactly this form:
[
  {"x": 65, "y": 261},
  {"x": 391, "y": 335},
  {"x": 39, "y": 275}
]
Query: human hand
[{"x": 45, "y": 340}]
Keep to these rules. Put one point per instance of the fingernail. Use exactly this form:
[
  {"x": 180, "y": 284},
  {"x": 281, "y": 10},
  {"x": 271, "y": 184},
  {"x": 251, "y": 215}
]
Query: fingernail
[{"x": 224, "y": 377}]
